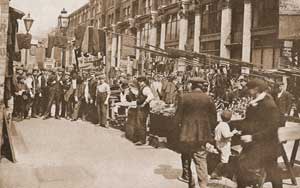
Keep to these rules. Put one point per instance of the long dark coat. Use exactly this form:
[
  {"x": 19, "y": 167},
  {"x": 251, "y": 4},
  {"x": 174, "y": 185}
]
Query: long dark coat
[
  {"x": 262, "y": 122},
  {"x": 196, "y": 114},
  {"x": 284, "y": 102}
]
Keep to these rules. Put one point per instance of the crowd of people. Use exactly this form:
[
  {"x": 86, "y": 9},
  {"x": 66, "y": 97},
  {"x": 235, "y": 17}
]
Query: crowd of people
[
  {"x": 198, "y": 102},
  {"x": 73, "y": 93}
]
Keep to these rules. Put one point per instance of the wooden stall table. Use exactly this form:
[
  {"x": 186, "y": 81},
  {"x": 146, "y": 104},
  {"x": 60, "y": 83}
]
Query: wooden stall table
[{"x": 130, "y": 118}]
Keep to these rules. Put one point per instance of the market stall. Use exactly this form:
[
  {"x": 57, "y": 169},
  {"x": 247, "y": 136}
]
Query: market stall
[{"x": 163, "y": 124}]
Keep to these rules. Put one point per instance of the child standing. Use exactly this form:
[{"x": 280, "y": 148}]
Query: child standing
[{"x": 223, "y": 142}]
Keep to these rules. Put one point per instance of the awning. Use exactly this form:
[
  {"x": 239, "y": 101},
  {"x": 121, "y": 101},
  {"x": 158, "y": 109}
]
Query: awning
[{"x": 18, "y": 14}]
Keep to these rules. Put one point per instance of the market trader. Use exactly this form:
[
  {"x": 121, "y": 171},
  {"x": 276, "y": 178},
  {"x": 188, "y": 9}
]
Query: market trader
[
  {"x": 197, "y": 117},
  {"x": 145, "y": 96},
  {"x": 262, "y": 147}
]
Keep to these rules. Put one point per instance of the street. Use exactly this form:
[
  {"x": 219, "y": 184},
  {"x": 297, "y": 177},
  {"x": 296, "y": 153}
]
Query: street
[{"x": 64, "y": 154}]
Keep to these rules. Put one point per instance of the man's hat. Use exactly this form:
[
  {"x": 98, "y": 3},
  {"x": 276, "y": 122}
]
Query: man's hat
[
  {"x": 142, "y": 79},
  {"x": 257, "y": 83},
  {"x": 133, "y": 83},
  {"x": 280, "y": 83},
  {"x": 20, "y": 77},
  {"x": 35, "y": 70},
  {"x": 197, "y": 80},
  {"x": 60, "y": 70},
  {"x": 101, "y": 76}
]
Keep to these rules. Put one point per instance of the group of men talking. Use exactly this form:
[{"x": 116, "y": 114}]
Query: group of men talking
[{"x": 74, "y": 94}]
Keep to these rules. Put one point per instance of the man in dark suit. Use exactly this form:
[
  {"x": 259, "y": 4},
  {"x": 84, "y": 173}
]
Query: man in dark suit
[
  {"x": 55, "y": 88},
  {"x": 284, "y": 100},
  {"x": 197, "y": 117},
  {"x": 261, "y": 148},
  {"x": 42, "y": 80}
]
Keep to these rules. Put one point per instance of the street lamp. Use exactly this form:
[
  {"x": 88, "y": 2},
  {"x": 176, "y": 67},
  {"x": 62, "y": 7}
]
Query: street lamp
[
  {"x": 28, "y": 21},
  {"x": 63, "y": 23}
]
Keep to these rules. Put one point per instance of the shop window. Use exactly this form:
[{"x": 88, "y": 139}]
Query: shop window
[
  {"x": 265, "y": 13},
  {"x": 145, "y": 34},
  {"x": 237, "y": 16},
  {"x": 266, "y": 52},
  {"x": 211, "y": 17},
  {"x": 210, "y": 47},
  {"x": 172, "y": 28}
]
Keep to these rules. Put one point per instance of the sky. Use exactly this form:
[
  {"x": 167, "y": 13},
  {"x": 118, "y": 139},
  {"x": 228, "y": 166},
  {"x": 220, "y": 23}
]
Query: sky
[{"x": 44, "y": 13}]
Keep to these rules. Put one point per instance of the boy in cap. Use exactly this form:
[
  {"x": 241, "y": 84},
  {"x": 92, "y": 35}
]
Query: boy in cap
[{"x": 223, "y": 142}]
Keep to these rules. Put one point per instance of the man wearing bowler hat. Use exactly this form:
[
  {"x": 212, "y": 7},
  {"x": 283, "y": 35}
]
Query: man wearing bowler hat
[{"x": 261, "y": 148}]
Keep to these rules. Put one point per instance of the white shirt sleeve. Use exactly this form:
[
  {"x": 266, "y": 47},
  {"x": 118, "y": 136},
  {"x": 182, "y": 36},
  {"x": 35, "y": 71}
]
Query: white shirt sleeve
[
  {"x": 108, "y": 89},
  {"x": 226, "y": 131},
  {"x": 147, "y": 92}
]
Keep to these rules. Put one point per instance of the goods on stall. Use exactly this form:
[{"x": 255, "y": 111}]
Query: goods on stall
[{"x": 160, "y": 107}]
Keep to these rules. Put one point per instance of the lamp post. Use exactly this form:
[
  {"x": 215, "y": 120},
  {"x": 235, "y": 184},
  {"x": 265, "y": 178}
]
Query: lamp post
[
  {"x": 63, "y": 23},
  {"x": 28, "y": 23}
]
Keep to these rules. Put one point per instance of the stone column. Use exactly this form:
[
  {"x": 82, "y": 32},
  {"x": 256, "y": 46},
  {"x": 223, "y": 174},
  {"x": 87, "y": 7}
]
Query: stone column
[
  {"x": 131, "y": 8},
  {"x": 114, "y": 46},
  {"x": 197, "y": 30},
  {"x": 183, "y": 24},
  {"x": 138, "y": 41},
  {"x": 163, "y": 31},
  {"x": 153, "y": 31},
  {"x": 226, "y": 29},
  {"x": 154, "y": 5},
  {"x": 246, "y": 55},
  {"x": 141, "y": 7},
  {"x": 119, "y": 50}
]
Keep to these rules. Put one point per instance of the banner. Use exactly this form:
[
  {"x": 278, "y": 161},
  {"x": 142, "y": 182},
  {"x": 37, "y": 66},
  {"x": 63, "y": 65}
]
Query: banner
[
  {"x": 93, "y": 41},
  {"x": 24, "y": 41},
  {"x": 289, "y": 20}
]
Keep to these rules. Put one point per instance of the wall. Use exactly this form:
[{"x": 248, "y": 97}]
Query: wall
[{"x": 4, "y": 11}]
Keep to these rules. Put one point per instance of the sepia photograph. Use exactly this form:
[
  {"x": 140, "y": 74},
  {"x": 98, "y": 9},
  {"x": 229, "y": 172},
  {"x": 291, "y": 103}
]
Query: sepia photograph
[{"x": 149, "y": 93}]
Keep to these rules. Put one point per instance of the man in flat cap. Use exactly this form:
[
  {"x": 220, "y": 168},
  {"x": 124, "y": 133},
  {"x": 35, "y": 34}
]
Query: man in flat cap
[
  {"x": 102, "y": 100},
  {"x": 196, "y": 116},
  {"x": 261, "y": 148}
]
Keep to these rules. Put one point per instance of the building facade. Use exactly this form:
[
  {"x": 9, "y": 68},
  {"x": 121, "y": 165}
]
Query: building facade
[{"x": 245, "y": 30}]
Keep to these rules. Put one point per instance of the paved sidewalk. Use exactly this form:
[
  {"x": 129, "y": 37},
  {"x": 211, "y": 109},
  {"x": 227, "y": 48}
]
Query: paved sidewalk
[{"x": 64, "y": 154}]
